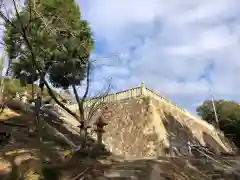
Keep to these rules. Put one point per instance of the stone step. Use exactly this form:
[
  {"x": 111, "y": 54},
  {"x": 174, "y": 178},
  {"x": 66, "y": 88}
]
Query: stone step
[
  {"x": 129, "y": 166},
  {"x": 116, "y": 178},
  {"x": 133, "y": 172},
  {"x": 112, "y": 173}
]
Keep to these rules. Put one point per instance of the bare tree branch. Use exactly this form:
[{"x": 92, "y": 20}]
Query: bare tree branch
[
  {"x": 80, "y": 103},
  {"x": 98, "y": 102}
]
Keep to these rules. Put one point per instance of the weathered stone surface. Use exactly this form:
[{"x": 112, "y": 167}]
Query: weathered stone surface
[
  {"x": 181, "y": 129},
  {"x": 146, "y": 127}
]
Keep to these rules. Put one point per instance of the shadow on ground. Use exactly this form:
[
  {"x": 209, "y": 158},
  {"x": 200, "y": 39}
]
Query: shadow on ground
[{"x": 27, "y": 155}]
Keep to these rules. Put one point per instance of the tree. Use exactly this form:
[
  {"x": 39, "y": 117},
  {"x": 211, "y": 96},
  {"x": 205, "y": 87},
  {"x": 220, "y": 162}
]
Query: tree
[
  {"x": 39, "y": 63},
  {"x": 41, "y": 41},
  {"x": 48, "y": 38},
  {"x": 57, "y": 49},
  {"x": 228, "y": 113}
]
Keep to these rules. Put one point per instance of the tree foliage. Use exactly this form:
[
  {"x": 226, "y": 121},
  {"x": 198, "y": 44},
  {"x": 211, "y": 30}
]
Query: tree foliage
[
  {"x": 61, "y": 41},
  {"x": 48, "y": 39},
  {"x": 228, "y": 113},
  {"x": 13, "y": 86}
]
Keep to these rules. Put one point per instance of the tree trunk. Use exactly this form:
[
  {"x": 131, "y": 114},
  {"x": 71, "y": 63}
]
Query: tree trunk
[
  {"x": 39, "y": 100},
  {"x": 33, "y": 75},
  {"x": 2, "y": 90},
  {"x": 59, "y": 135}
]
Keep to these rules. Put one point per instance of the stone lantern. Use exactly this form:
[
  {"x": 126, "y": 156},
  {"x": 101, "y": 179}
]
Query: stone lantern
[
  {"x": 17, "y": 96},
  {"x": 83, "y": 128},
  {"x": 35, "y": 96},
  {"x": 24, "y": 97},
  {"x": 100, "y": 124}
]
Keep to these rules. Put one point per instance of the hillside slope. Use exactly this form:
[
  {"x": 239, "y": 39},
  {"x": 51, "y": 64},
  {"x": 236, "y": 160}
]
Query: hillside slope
[
  {"x": 43, "y": 154},
  {"x": 28, "y": 158}
]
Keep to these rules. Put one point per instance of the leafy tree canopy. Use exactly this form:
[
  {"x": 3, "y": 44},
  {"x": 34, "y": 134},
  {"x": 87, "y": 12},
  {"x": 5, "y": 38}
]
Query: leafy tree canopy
[
  {"x": 228, "y": 113},
  {"x": 13, "y": 86},
  {"x": 60, "y": 40},
  {"x": 226, "y": 110}
]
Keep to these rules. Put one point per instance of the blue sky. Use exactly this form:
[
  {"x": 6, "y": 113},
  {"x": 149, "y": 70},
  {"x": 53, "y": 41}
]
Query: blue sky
[{"x": 180, "y": 49}]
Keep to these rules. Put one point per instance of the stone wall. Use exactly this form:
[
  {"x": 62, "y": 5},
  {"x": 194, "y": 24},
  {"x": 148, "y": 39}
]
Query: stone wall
[
  {"x": 180, "y": 129},
  {"x": 127, "y": 133},
  {"x": 135, "y": 93},
  {"x": 148, "y": 127},
  {"x": 143, "y": 123}
]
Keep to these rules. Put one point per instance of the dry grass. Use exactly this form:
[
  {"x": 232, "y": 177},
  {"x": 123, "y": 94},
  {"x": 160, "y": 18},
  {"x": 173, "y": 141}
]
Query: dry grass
[{"x": 7, "y": 113}]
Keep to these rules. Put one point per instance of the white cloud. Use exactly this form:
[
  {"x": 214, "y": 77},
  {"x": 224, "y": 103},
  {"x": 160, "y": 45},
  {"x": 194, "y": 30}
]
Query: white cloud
[{"x": 171, "y": 44}]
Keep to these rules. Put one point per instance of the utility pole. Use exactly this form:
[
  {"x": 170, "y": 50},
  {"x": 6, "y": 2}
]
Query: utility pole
[{"x": 214, "y": 109}]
